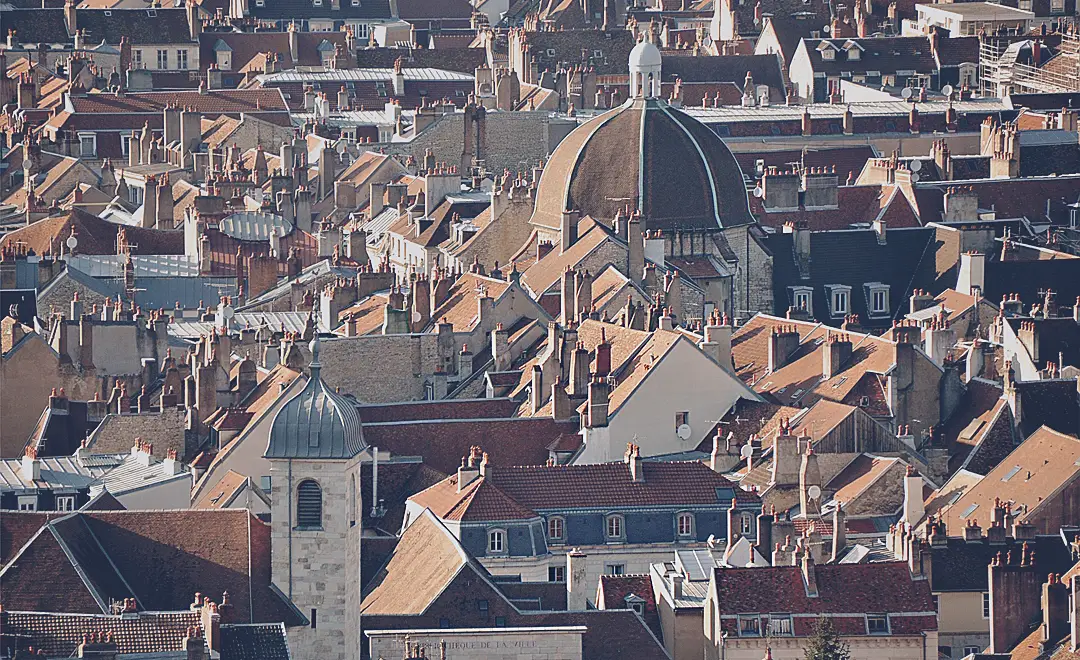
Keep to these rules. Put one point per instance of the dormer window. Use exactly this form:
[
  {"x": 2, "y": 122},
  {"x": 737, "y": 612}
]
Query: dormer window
[
  {"x": 854, "y": 54},
  {"x": 839, "y": 299},
  {"x": 828, "y": 54},
  {"x": 749, "y": 625},
  {"x": 496, "y": 542},
  {"x": 878, "y": 298},
  {"x": 802, "y": 298},
  {"x": 614, "y": 529}
]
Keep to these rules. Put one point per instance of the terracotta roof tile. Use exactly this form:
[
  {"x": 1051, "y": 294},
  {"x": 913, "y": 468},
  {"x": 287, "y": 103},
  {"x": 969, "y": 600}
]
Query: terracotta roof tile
[{"x": 480, "y": 501}]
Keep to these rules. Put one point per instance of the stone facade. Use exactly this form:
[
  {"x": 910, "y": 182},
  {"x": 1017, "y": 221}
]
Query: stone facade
[
  {"x": 562, "y": 643},
  {"x": 318, "y": 568}
]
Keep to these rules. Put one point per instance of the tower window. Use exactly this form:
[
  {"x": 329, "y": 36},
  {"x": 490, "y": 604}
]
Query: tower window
[{"x": 308, "y": 505}]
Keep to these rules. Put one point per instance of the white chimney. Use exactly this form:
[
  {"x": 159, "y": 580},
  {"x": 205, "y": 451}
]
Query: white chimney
[
  {"x": 31, "y": 465},
  {"x": 914, "y": 507},
  {"x": 576, "y": 581}
]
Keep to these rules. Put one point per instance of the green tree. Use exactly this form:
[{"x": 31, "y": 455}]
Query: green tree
[{"x": 825, "y": 643}]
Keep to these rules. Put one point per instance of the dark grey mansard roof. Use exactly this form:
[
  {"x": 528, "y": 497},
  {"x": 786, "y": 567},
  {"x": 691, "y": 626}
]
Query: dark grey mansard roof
[{"x": 317, "y": 423}]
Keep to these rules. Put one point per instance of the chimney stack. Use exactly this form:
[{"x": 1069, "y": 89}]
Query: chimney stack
[
  {"x": 783, "y": 342},
  {"x": 576, "y": 581},
  {"x": 633, "y": 459}
]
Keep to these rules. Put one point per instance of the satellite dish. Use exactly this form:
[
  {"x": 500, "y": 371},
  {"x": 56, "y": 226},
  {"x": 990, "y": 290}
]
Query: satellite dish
[
  {"x": 228, "y": 312},
  {"x": 341, "y": 147},
  {"x": 915, "y": 177},
  {"x": 814, "y": 492},
  {"x": 758, "y": 192},
  {"x": 906, "y": 93},
  {"x": 684, "y": 431},
  {"x": 947, "y": 90},
  {"x": 416, "y": 318},
  {"x": 916, "y": 165},
  {"x": 747, "y": 451},
  {"x": 827, "y": 29},
  {"x": 71, "y": 242}
]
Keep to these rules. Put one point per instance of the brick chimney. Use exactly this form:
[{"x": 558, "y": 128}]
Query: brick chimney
[
  {"x": 1014, "y": 598},
  {"x": 920, "y": 300},
  {"x": 783, "y": 342},
  {"x": 568, "y": 230},
  {"x": 835, "y": 353},
  {"x": 733, "y": 526},
  {"x": 780, "y": 189},
  {"x": 602, "y": 362},
  {"x": 717, "y": 340},
  {"x": 469, "y": 469},
  {"x": 598, "y": 402},
  {"x": 97, "y": 645}
]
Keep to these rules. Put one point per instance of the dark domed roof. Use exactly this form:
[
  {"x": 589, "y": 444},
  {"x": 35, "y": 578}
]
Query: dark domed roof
[
  {"x": 316, "y": 423},
  {"x": 683, "y": 173}
]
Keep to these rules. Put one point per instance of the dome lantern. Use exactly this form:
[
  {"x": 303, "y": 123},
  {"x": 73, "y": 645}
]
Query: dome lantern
[{"x": 645, "y": 65}]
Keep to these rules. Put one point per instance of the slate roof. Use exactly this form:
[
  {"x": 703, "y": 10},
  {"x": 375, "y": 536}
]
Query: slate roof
[
  {"x": 569, "y": 46},
  {"x": 140, "y": 26},
  {"x": 960, "y": 565},
  {"x": 463, "y": 60},
  {"x": 1049, "y": 403},
  {"x": 258, "y": 101},
  {"x": 36, "y": 25},
  {"x": 725, "y": 68},
  {"x": 265, "y": 641},
  {"x": 613, "y": 590},
  {"x": 161, "y": 559},
  {"x": 970, "y": 423},
  {"x": 904, "y": 262},
  {"x": 886, "y": 55}
]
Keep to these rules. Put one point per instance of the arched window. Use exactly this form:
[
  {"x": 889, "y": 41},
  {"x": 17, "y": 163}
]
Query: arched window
[
  {"x": 496, "y": 542},
  {"x": 556, "y": 529},
  {"x": 615, "y": 531},
  {"x": 685, "y": 522},
  {"x": 309, "y": 505}
]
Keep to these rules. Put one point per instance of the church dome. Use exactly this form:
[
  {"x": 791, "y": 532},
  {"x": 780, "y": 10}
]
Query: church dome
[
  {"x": 650, "y": 156},
  {"x": 316, "y": 423}
]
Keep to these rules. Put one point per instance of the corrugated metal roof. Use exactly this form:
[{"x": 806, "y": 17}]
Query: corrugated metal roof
[
  {"x": 364, "y": 75},
  {"x": 112, "y": 265},
  {"x": 899, "y": 107},
  {"x": 316, "y": 270},
  {"x": 56, "y": 473},
  {"x": 292, "y": 321},
  {"x": 254, "y": 226},
  {"x": 378, "y": 225},
  {"x": 133, "y": 474}
]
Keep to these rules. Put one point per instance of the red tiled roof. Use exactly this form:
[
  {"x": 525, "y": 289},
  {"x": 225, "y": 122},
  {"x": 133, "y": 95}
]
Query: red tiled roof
[
  {"x": 610, "y": 485},
  {"x": 442, "y": 409},
  {"x": 213, "y": 101},
  {"x": 480, "y": 500},
  {"x": 95, "y": 236},
  {"x": 613, "y": 590},
  {"x": 59, "y": 635},
  {"x": 842, "y": 588}
]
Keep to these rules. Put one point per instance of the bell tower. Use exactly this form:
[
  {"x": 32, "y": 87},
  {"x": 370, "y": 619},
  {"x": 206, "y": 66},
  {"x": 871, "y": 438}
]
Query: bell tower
[{"x": 315, "y": 450}]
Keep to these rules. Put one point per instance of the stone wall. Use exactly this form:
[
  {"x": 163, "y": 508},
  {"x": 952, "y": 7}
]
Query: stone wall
[
  {"x": 316, "y": 567},
  {"x": 484, "y": 644}
]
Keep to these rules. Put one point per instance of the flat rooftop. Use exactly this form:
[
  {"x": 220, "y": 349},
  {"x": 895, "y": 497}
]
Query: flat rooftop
[{"x": 979, "y": 11}]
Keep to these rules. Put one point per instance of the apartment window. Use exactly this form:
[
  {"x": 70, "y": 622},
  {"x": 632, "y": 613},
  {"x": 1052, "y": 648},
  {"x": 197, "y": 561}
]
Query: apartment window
[
  {"x": 615, "y": 569},
  {"x": 482, "y": 606},
  {"x": 496, "y": 542},
  {"x": 944, "y": 651},
  {"x": 264, "y": 484},
  {"x": 838, "y": 299},
  {"x": 747, "y": 524},
  {"x": 854, "y": 54},
  {"x": 87, "y": 145},
  {"x": 361, "y": 30},
  {"x": 828, "y": 55},
  {"x": 682, "y": 418},
  {"x": 500, "y": 622},
  {"x": 556, "y": 574},
  {"x": 1057, "y": 6},
  {"x": 685, "y": 524},
  {"x": 65, "y": 503},
  {"x": 749, "y": 625},
  {"x": 802, "y": 300},
  {"x": 125, "y": 144},
  {"x": 162, "y": 59},
  {"x": 615, "y": 528},
  {"x": 181, "y": 59},
  {"x": 309, "y": 505},
  {"x": 780, "y": 625},
  {"x": 877, "y": 624},
  {"x": 556, "y": 529},
  {"x": 986, "y": 605},
  {"x": 972, "y": 650},
  {"x": 879, "y": 301},
  {"x": 136, "y": 58},
  {"x": 28, "y": 503}
]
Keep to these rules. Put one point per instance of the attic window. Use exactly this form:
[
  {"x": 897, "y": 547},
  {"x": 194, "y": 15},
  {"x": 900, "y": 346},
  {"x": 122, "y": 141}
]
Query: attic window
[
  {"x": 1012, "y": 473},
  {"x": 597, "y": 53},
  {"x": 968, "y": 511},
  {"x": 260, "y": 3},
  {"x": 797, "y": 393},
  {"x": 355, "y": 3},
  {"x": 749, "y": 625},
  {"x": 551, "y": 52},
  {"x": 108, "y": 13},
  {"x": 828, "y": 54},
  {"x": 854, "y": 54},
  {"x": 152, "y": 13},
  {"x": 317, "y": 3}
]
